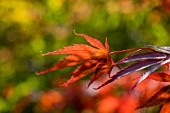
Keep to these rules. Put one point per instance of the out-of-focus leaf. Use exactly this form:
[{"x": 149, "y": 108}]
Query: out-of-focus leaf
[
  {"x": 160, "y": 76},
  {"x": 165, "y": 107},
  {"x": 160, "y": 97}
]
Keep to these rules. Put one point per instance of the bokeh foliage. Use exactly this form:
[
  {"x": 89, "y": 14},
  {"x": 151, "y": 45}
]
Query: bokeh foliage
[{"x": 31, "y": 27}]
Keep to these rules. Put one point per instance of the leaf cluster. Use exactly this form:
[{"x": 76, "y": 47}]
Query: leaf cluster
[{"x": 96, "y": 60}]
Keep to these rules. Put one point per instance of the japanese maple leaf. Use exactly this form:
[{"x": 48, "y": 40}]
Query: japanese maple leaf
[
  {"x": 157, "y": 57},
  {"x": 94, "y": 59},
  {"x": 160, "y": 97},
  {"x": 160, "y": 76}
]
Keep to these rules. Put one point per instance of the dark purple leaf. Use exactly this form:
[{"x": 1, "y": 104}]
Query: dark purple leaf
[
  {"x": 163, "y": 49},
  {"x": 134, "y": 67},
  {"x": 148, "y": 72},
  {"x": 144, "y": 56}
]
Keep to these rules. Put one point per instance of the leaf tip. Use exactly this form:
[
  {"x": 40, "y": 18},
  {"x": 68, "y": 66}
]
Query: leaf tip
[
  {"x": 75, "y": 32},
  {"x": 95, "y": 88},
  {"x": 64, "y": 85},
  {"x": 37, "y": 73},
  {"x": 43, "y": 54}
]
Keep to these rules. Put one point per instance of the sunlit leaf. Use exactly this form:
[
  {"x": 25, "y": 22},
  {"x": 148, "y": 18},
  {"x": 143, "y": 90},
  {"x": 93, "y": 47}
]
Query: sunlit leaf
[
  {"x": 94, "y": 42},
  {"x": 92, "y": 60}
]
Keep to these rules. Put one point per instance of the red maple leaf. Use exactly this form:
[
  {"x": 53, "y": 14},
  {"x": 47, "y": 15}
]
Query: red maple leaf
[
  {"x": 94, "y": 59},
  {"x": 160, "y": 97},
  {"x": 160, "y": 76}
]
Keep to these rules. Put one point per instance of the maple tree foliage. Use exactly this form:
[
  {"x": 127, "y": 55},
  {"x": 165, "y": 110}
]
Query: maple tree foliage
[
  {"x": 155, "y": 59},
  {"x": 96, "y": 60},
  {"x": 159, "y": 97}
]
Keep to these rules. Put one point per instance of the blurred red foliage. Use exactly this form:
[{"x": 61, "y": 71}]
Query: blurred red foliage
[
  {"x": 113, "y": 98},
  {"x": 166, "y": 5}
]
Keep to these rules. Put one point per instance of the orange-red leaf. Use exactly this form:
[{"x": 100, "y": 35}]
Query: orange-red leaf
[
  {"x": 80, "y": 50},
  {"x": 94, "y": 42},
  {"x": 79, "y": 73},
  {"x": 165, "y": 108},
  {"x": 160, "y": 97},
  {"x": 92, "y": 59},
  {"x": 101, "y": 69},
  {"x": 75, "y": 49},
  {"x": 66, "y": 62},
  {"x": 160, "y": 76},
  {"x": 107, "y": 45}
]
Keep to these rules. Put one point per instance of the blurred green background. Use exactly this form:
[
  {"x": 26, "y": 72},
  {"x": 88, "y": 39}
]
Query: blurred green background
[{"x": 31, "y": 27}]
